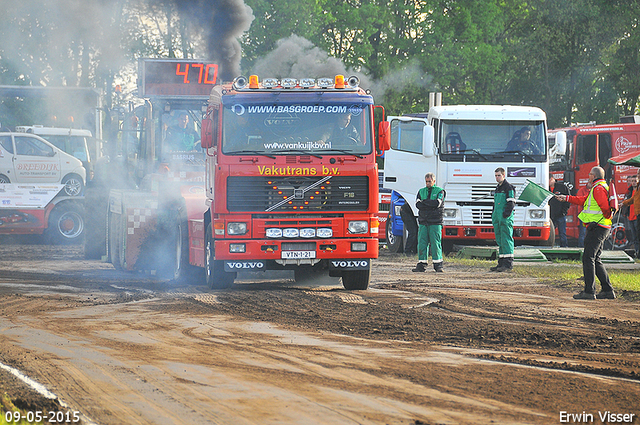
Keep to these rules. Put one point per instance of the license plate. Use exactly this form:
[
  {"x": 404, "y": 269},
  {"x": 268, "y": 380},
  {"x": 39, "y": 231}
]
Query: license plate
[{"x": 298, "y": 254}]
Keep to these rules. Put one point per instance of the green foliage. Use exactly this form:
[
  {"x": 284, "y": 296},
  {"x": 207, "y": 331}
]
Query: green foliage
[{"x": 579, "y": 60}]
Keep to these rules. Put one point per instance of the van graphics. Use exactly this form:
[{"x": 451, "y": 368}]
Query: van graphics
[
  {"x": 235, "y": 266},
  {"x": 360, "y": 264}
]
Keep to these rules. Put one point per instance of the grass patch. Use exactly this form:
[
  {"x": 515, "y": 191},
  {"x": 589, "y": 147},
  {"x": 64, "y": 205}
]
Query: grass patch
[{"x": 560, "y": 272}]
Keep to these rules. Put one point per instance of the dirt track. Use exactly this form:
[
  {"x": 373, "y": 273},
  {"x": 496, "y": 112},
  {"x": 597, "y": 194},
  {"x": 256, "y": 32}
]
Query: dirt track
[{"x": 466, "y": 346}]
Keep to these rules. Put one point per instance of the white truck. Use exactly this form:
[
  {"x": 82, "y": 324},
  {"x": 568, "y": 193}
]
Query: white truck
[{"x": 463, "y": 145}]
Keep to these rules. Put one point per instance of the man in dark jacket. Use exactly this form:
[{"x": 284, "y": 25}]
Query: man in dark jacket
[
  {"x": 559, "y": 209},
  {"x": 430, "y": 204},
  {"x": 504, "y": 200}
]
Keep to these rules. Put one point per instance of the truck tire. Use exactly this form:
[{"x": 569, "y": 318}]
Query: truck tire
[
  {"x": 4, "y": 179},
  {"x": 66, "y": 224},
  {"x": 115, "y": 235},
  {"x": 175, "y": 256},
  {"x": 552, "y": 236},
  {"x": 357, "y": 280},
  {"x": 215, "y": 276},
  {"x": 394, "y": 243},
  {"x": 96, "y": 205},
  {"x": 73, "y": 185}
]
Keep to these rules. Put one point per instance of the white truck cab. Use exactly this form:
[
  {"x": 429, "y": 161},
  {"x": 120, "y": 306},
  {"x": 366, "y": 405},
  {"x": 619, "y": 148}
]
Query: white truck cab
[{"x": 27, "y": 158}]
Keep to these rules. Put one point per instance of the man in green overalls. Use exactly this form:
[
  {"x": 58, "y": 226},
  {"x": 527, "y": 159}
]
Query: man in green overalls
[
  {"x": 430, "y": 204},
  {"x": 504, "y": 200}
]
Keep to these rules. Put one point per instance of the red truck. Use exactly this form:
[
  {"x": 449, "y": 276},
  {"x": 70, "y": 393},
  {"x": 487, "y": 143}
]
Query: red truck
[
  {"x": 589, "y": 145},
  {"x": 274, "y": 184},
  {"x": 291, "y": 180}
]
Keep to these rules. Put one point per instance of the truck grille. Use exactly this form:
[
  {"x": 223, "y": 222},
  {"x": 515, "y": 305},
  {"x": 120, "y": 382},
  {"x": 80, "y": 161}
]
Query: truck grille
[{"x": 299, "y": 194}]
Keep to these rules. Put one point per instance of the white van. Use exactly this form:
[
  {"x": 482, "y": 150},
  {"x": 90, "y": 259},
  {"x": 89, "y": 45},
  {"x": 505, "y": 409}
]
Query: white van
[
  {"x": 27, "y": 158},
  {"x": 74, "y": 141}
]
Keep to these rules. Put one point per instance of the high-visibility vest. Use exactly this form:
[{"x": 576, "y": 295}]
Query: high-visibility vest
[{"x": 592, "y": 211}]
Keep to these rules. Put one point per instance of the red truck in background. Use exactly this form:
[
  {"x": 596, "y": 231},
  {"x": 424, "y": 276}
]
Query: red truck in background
[
  {"x": 590, "y": 145},
  {"x": 291, "y": 180},
  {"x": 41, "y": 209}
]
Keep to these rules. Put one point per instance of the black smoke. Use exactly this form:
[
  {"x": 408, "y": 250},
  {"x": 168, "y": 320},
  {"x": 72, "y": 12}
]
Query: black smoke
[{"x": 222, "y": 23}]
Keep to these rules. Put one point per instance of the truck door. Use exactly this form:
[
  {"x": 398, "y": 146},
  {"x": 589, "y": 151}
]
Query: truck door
[
  {"x": 35, "y": 161},
  {"x": 406, "y": 163}
]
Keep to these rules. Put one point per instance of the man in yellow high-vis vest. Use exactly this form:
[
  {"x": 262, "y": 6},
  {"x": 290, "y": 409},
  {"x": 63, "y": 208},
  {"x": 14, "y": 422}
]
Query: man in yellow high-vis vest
[{"x": 596, "y": 215}]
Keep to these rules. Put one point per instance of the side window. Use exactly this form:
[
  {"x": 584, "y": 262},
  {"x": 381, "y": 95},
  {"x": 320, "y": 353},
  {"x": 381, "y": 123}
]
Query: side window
[
  {"x": 32, "y": 147},
  {"x": 586, "y": 149},
  {"x": 5, "y": 142},
  {"x": 407, "y": 136}
]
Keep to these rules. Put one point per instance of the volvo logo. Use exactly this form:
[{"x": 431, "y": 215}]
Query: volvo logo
[
  {"x": 348, "y": 264},
  {"x": 250, "y": 265}
]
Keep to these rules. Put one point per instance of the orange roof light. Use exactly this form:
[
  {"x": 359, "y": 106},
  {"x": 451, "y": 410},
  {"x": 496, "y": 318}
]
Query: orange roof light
[
  {"x": 339, "y": 82},
  {"x": 253, "y": 81}
]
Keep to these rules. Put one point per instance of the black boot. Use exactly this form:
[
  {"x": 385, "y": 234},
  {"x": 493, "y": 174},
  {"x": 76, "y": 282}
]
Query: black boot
[
  {"x": 507, "y": 265},
  {"x": 495, "y": 268},
  {"x": 419, "y": 268},
  {"x": 438, "y": 267}
]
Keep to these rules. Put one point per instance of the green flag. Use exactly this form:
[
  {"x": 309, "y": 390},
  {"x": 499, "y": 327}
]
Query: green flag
[{"x": 531, "y": 192}]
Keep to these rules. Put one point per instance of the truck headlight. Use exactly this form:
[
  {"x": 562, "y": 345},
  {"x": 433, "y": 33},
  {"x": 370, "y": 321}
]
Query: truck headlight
[
  {"x": 358, "y": 227},
  {"x": 537, "y": 214},
  {"x": 450, "y": 212},
  {"x": 307, "y": 233},
  {"x": 237, "y": 248},
  {"x": 236, "y": 228},
  {"x": 274, "y": 233},
  {"x": 324, "y": 232},
  {"x": 291, "y": 233}
]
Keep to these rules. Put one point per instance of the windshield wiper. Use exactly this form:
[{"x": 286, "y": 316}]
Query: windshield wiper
[
  {"x": 244, "y": 152},
  {"x": 472, "y": 150},
  {"x": 302, "y": 151},
  {"x": 357, "y": 155},
  {"x": 526, "y": 155}
]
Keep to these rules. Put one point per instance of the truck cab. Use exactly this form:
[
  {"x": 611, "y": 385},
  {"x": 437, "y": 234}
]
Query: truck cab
[{"x": 463, "y": 145}]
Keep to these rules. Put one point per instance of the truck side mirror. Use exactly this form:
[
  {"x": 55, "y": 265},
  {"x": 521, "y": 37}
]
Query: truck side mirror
[
  {"x": 384, "y": 136},
  {"x": 428, "y": 147},
  {"x": 209, "y": 129},
  {"x": 561, "y": 142}
]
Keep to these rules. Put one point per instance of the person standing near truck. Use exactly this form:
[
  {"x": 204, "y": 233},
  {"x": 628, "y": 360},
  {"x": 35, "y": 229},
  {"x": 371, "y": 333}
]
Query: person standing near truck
[
  {"x": 430, "y": 204},
  {"x": 597, "y": 216},
  {"x": 504, "y": 200}
]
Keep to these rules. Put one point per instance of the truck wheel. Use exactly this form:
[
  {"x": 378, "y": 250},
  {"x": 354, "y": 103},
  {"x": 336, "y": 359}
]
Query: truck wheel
[
  {"x": 175, "y": 257},
  {"x": 394, "y": 243},
  {"x": 114, "y": 242},
  {"x": 96, "y": 207},
  {"x": 552, "y": 236},
  {"x": 618, "y": 238},
  {"x": 66, "y": 224},
  {"x": 4, "y": 179},
  {"x": 357, "y": 280},
  {"x": 215, "y": 276},
  {"x": 73, "y": 185}
]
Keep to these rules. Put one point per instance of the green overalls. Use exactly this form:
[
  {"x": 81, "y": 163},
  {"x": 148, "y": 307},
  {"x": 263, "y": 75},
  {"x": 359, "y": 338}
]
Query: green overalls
[
  {"x": 503, "y": 202},
  {"x": 430, "y": 231}
]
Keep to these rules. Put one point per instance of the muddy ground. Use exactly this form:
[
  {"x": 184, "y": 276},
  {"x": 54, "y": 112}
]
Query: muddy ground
[{"x": 464, "y": 347}]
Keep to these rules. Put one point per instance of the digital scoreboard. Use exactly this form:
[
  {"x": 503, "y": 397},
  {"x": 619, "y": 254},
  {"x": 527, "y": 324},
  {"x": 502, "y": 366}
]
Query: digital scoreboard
[{"x": 176, "y": 77}]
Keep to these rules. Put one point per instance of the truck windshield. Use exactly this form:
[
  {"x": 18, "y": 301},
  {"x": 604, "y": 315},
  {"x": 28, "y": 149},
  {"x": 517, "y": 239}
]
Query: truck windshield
[
  {"x": 493, "y": 140},
  {"x": 296, "y": 129},
  {"x": 180, "y": 135}
]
